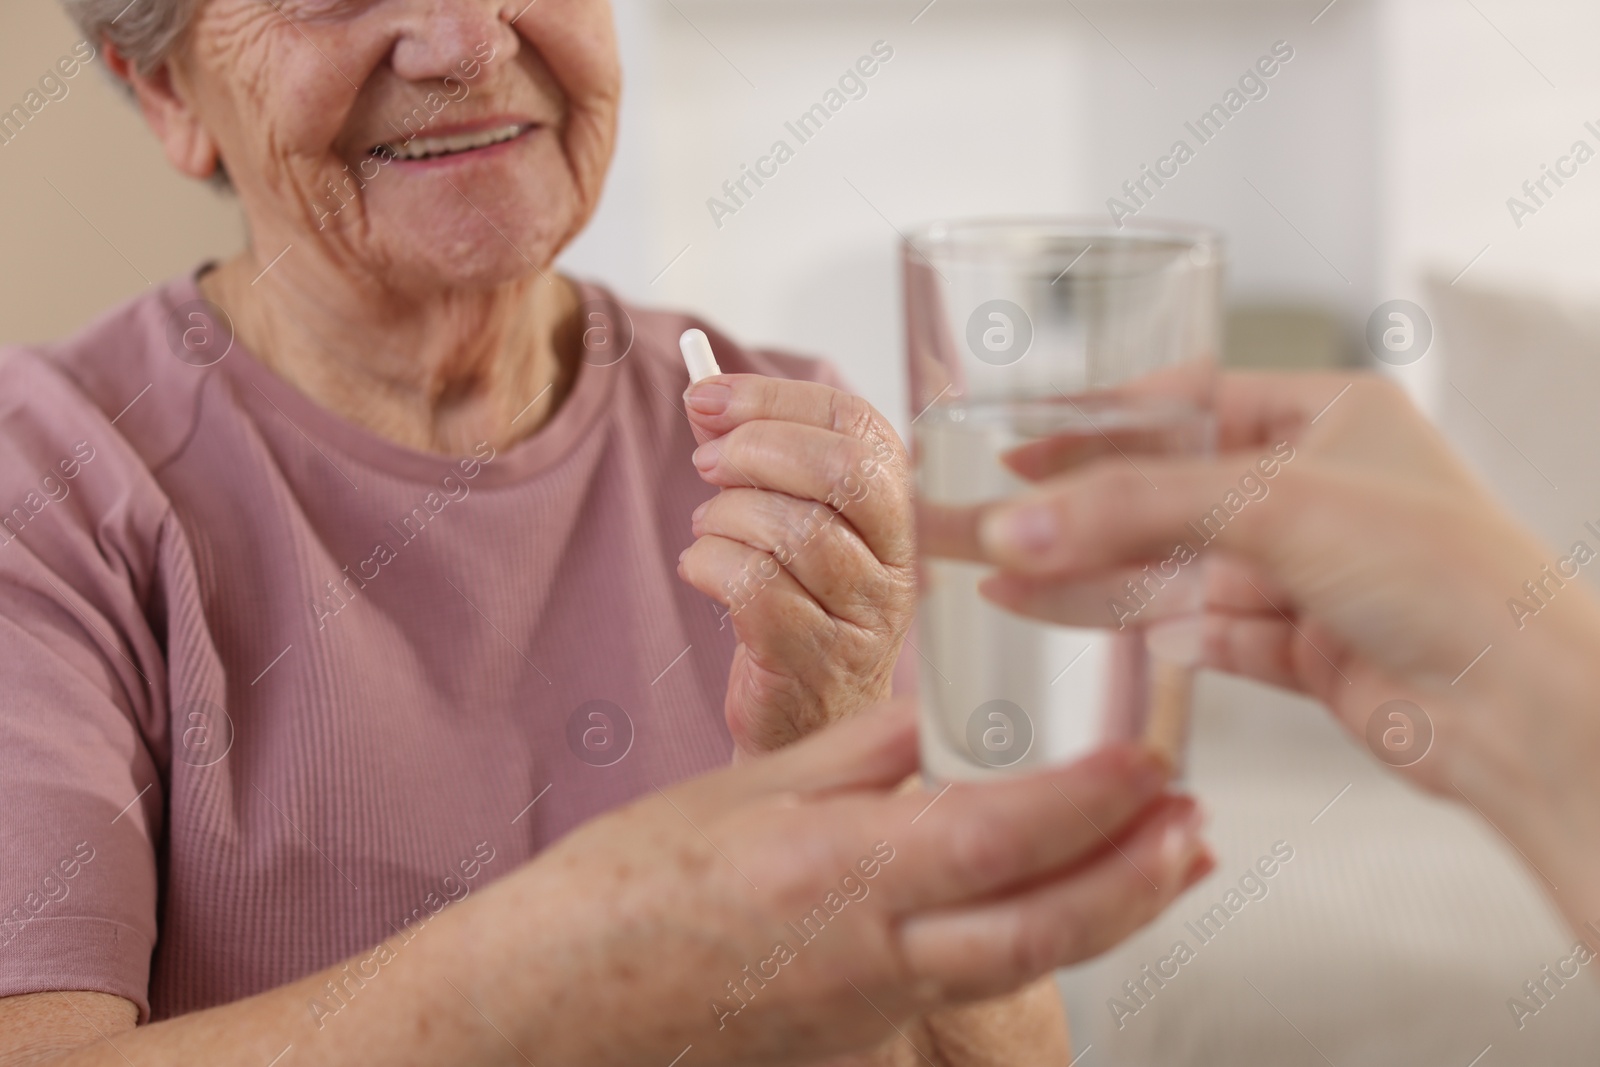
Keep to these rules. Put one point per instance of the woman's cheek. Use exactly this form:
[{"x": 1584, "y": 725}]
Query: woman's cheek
[
  {"x": 286, "y": 92},
  {"x": 578, "y": 41}
]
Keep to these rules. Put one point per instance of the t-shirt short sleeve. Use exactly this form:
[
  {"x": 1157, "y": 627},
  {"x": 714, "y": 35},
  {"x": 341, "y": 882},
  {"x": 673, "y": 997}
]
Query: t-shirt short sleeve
[{"x": 81, "y": 678}]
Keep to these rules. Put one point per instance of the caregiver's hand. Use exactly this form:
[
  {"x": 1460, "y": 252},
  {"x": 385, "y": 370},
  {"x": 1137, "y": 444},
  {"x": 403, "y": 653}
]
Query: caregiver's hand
[
  {"x": 1368, "y": 567},
  {"x": 798, "y": 906},
  {"x": 808, "y": 546}
]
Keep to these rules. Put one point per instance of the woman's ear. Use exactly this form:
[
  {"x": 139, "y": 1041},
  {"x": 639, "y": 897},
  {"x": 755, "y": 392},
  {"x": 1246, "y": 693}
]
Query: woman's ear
[{"x": 169, "y": 114}]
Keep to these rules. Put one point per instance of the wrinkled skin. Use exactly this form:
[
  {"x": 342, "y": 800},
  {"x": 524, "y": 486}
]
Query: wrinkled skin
[
  {"x": 808, "y": 546},
  {"x": 986, "y": 889}
]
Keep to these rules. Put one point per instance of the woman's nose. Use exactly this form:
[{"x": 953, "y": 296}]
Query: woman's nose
[{"x": 439, "y": 34}]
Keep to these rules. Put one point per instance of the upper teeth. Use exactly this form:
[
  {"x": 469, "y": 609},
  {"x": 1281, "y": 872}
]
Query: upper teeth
[{"x": 423, "y": 147}]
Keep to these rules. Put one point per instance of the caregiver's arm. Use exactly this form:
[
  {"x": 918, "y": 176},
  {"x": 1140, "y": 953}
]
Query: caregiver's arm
[
  {"x": 789, "y": 909},
  {"x": 1354, "y": 559}
]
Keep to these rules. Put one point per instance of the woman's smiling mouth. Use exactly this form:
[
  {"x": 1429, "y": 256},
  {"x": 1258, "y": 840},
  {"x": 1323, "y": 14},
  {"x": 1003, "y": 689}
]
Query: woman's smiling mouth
[{"x": 443, "y": 146}]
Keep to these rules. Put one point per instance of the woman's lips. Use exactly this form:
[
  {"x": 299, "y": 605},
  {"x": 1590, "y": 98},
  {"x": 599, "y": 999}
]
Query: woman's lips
[{"x": 456, "y": 145}]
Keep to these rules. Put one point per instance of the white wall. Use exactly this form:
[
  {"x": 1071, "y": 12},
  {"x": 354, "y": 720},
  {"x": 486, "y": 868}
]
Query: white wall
[
  {"x": 989, "y": 106},
  {"x": 1480, "y": 95}
]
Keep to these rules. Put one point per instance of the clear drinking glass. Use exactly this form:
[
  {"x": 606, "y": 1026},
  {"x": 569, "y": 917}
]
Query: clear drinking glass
[{"x": 1037, "y": 346}]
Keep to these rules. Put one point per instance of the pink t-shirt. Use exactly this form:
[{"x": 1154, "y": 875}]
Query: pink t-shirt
[{"x": 274, "y": 689}]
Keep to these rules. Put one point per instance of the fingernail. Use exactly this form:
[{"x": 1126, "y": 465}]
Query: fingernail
[
  {"x": 1181, "y": 838},
  {"x": 705, "y": 457},
  {"x": 685, "y": 552},
  {"x": 708, "y": 398},
  {"x": 1027, "y": 530},
  {"x": 699, "y": 512}
]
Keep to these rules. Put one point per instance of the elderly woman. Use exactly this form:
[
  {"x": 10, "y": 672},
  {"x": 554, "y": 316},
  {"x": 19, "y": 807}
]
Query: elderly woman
[{"x": 339, "y": 606}]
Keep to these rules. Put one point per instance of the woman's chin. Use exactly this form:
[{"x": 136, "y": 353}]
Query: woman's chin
[{"x": 427, "y": 242}]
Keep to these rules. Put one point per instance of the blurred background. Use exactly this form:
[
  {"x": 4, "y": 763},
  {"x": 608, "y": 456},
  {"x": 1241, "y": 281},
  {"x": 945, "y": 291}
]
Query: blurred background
[{"x": 1377, "y": 167}]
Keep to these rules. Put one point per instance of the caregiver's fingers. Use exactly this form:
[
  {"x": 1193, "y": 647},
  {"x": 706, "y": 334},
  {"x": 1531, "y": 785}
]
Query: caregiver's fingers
[
  {"x": 1114, "y": 601},
  {"x": 844, "y": 472},
  {"x": 1269, "y": 649},
  {"x": 824, "y": 553},
  {"x": 1056, "y": 454},
  {"x": 980, "y": 950},
  {"x": 1111, "y": 514},
  {"x": 1180, "y": 584},
  {"x": 1257, "y": 408},
  {"x": 950, "y": 531}
]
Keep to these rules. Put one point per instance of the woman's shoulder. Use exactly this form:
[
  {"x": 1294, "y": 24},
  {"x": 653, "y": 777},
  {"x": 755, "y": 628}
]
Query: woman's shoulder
[
  {"x": 85, "y": 424},
  {"x": 118, "y": 379}
]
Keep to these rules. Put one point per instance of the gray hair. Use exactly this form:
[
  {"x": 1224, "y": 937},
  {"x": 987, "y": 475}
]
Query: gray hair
[{"x": 144, "y": 30}]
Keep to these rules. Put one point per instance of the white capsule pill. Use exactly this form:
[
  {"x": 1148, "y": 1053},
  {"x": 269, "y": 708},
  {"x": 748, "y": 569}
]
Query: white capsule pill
[{"x": 697, "y": 355}]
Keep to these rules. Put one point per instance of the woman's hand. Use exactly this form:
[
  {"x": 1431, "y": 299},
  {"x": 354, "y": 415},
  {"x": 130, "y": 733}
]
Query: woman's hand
[
  {"x": 1367, "y": 567},
  {"x": 808, "y": 546},
  {"x": 799, "y": 906},
  {"x": 795, "y": 907}
]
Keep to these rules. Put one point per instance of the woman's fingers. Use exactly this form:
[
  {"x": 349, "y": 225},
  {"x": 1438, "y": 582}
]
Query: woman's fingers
[
  {"x": 873, "y": 751},
  {"x": 823, "y": 553},
  {"x": 966, "y": 841},
  {"x": 720, "y": 403},
  {"x": 742, "y": 578},
  {"x": 986, "y": 948},
  {"x": 966, "y": 891},
  {"x": 958, "y": 843},
  {"x": 861, "y": 480},
  {"x": 808, "y": 544},
  {"x": 801, "y": 661}
]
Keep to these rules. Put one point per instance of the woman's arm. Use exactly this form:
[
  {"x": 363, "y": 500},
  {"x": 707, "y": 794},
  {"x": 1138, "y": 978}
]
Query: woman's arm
[{"x": 794, "y": 908}]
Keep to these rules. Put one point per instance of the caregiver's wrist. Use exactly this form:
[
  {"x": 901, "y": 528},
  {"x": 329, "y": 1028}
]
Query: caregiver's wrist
[
  {"x": 1558, "y": 814},
  {"x": 1532, "y": 750}
]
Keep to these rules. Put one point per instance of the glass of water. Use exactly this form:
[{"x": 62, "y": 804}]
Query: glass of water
[{"x": 1038, "y": 346}]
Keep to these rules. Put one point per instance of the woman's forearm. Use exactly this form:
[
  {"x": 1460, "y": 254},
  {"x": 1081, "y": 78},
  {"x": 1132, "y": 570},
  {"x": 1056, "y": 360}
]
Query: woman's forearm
[
  {"x": 402, "y": 1004},
  {"x": 701, "y": 919}
]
